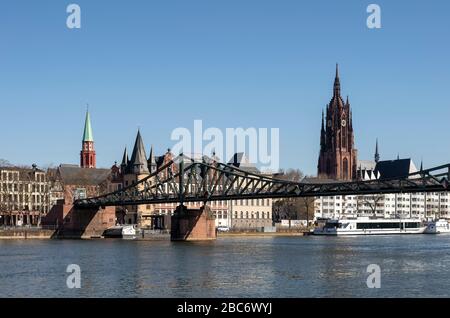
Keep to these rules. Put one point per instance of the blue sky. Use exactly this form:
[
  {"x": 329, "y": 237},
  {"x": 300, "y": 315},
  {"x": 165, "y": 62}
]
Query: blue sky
[{"x": 159, "y": 65}]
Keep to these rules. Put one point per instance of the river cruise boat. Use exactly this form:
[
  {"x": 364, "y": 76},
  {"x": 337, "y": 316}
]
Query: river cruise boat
[
  {"x": 438, "y": 227},
  {"x": 368, "y": 226},
  {"x": 120, "y": 231}
]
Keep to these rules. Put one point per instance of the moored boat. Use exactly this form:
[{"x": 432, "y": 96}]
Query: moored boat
[
  {"x": 120, "y": 231},
  {"x": 438, "y": 227},
  {"x": 367, "y": 226}
]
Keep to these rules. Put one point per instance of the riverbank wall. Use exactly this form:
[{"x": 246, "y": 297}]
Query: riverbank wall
[{"x": 25, "y": 233}]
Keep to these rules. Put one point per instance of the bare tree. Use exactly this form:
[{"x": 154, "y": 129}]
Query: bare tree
[
  {"x": 5, "y": 163},
  {"x": 7, "y": 201},
  {"x": 293, "y": 208},
  {"x": 372, "y": 201},
  {"x": 306, "y": 208}
]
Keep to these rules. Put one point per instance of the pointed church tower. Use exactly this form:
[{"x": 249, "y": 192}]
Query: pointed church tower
[
  {"x": 338, "y": 156},
  {"x": 87, "y": 154}
]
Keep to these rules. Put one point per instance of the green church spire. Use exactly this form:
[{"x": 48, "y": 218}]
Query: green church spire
[{"x": 88, "y": 136}]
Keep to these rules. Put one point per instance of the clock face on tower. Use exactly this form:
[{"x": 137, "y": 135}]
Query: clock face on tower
[{"x": 343, "y": 123}]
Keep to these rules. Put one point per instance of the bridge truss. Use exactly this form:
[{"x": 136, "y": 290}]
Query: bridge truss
[{"x": 186, "y": 180}]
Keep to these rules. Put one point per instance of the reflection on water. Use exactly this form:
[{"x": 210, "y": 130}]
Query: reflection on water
[{"x": 412, "y": 266}]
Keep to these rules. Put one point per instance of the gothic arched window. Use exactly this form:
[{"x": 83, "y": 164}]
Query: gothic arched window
[{"x": 345, "y": 168}]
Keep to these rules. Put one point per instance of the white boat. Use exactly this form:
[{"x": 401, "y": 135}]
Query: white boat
[
  {"x": 368, "y": 226},
  {"x": 121, "y": 231},
  {"x": 438, "y": 227}
]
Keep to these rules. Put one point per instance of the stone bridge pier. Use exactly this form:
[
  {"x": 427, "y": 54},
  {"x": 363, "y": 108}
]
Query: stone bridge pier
[
  {"x": 193, "y": 224},
  {"x": 73, "y": 222}
]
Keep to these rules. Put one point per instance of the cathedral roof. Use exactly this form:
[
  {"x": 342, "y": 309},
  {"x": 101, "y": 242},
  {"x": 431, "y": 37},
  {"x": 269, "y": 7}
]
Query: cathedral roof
[{"x": 399, "y": 168}]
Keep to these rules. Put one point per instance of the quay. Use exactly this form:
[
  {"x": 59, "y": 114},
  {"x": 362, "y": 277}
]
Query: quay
[{"x": 23, "y": 233}]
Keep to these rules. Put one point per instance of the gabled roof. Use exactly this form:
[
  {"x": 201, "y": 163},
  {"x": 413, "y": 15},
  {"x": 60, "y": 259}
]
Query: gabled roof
[
  {"x": 399, "y": 168},
  {"x": 74, "y": 175}
]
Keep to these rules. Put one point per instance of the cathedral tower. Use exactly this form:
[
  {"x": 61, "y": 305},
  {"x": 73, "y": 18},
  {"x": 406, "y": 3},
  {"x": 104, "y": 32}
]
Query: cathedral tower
[{"x": 338, "y": 156}]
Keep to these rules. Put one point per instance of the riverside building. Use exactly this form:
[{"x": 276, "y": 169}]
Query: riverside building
[{"x": 24, "y": 196}]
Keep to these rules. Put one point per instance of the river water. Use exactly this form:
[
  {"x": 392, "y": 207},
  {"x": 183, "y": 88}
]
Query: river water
[{"x": 411, "y": 266}]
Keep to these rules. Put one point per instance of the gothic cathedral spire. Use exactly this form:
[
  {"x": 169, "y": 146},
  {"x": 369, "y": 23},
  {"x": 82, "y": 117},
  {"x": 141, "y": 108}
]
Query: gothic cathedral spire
[
  {"x": 337, "y": 83},
  {"x": 338, "y": 156}
]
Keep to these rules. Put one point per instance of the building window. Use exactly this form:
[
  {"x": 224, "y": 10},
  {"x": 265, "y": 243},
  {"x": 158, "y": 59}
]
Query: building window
[{"x": 80, "y": 193}]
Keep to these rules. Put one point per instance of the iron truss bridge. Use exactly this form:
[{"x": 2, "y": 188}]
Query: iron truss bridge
[{"x": 186, "y": 180}]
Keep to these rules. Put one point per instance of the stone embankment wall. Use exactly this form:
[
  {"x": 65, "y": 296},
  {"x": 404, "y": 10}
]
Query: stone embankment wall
[{"x": 24, "y": 233}]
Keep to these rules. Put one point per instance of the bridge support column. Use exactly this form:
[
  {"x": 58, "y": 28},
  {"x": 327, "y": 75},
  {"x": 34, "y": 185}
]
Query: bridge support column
[
  {"x": 193, "y": 224},
  {"x": 73, "y": 222}
]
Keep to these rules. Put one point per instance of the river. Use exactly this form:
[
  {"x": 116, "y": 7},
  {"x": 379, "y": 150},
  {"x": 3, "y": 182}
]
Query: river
[{"x": 411, "y": 266}]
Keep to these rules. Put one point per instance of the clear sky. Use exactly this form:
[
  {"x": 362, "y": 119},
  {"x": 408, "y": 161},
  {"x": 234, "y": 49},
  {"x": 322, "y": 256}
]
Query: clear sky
[{"x": 159, "y": 65}]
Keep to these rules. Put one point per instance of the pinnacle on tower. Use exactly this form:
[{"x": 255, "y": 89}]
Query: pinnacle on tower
[
  {"x": 337, "y": 83},
  {"x": 151, "y": 161},
  {"x": 125, "y": 158},
  {"x": 322, "y": 133},
  {"x": 377, "y": 155}
]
